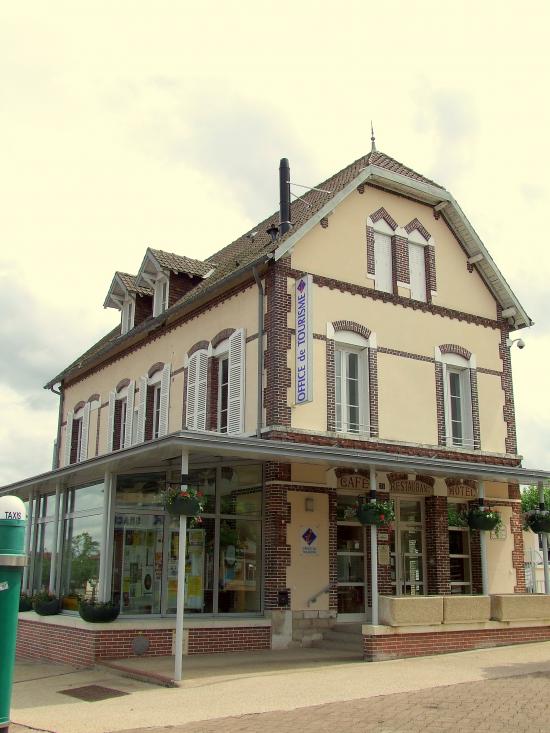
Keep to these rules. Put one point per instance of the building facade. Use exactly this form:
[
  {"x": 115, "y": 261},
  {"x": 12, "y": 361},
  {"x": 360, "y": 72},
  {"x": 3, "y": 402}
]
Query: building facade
[{"x": 359, "y": 343}]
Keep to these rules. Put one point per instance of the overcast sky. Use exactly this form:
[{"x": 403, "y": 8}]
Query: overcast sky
[{"x": 128, "y": 124}]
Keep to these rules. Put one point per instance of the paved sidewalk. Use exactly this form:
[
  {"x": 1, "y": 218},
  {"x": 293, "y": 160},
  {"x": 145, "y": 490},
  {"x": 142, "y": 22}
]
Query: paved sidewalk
[
  {"x": 519, "y": 704},
  {"x": 504, "y": 689}
]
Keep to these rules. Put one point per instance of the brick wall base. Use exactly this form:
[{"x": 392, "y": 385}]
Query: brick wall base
[
  {"x": 84, "y": 646},
  {"x": 399, "y": 646}
]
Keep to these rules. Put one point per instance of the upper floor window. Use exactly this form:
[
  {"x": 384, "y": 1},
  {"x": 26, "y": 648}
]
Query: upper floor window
[
  {"x": 76, "y": 433},
  {"x": 383, "y": 256},
  {"x": 156, "y": 410},
  {"x": 223, "y": 393},
  {"x": 458, "y": 402},
  {"x": 121, "y": 413},
  {"x": 160, "y": 298},
  {"x": 351, "y": 383},
  {"x": 128, "y": 313},
  {"x": 216, "y": 386},
  {"x": 417, "y": 266}
]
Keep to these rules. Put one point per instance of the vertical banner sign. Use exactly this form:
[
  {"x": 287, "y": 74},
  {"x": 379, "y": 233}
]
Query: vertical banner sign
[{"x": 304, "y": 340}]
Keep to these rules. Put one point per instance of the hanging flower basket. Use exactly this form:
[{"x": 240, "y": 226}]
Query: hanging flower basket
[
  {"x": 378, "y": 513},
  {"x": 98, "y": 613},
  {"x": 538, "y": 520},
  {"x": 484, "y": 519},
  {"x": 186, "y": 503}
]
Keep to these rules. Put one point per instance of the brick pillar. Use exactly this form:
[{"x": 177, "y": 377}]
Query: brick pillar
[
  {"x": 332, "y": 552},
  {"x": 278, "y": 378},
  {"x": 437, "y": 545},
  {"x": 277, "y": 516},
  {"x": 518, "y": 561},
  {"x": 475, "y": 554}
]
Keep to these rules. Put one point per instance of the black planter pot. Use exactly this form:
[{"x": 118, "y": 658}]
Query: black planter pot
[
  {"x": 539, "y": 523},
  {"x": 368, "y": 514},
  {"x": 98, "y": 614},
  {"x": 183, "y": 506},
  {"x": 25, "y": 604},
  {"x": 482, "y": 522},
  {"x": 46, "y": 608}
]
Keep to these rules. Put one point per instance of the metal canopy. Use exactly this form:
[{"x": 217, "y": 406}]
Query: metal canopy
[{"x": 205, "y": 446}]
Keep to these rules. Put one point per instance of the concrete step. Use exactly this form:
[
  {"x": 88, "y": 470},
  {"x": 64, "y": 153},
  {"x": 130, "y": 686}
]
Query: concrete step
[
  {"x": 354, "y": 628},
  {"x": 342, "y": 637}
]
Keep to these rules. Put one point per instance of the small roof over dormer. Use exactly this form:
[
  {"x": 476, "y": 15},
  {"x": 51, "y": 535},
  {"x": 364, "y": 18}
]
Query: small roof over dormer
[
  {"x": 123, "y": 285},
  {"x": 156, "y": 260}
]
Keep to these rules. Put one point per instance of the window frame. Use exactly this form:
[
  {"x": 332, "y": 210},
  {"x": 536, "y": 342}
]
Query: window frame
[
  {"x": 382, "y": 228},
  {"x": 220, "y": 409},
  {"x": 453, "y": 364},
  {"x": 416, "y": 240},
  {"x": 161, "y": 294},
  {"x": 347, "y": 342}
]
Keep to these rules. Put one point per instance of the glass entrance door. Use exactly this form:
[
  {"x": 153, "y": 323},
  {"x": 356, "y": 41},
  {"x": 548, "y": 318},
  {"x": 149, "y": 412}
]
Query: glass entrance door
[
  {"x": 407, "y": 548},
  {"x": 351, "y": 565}
]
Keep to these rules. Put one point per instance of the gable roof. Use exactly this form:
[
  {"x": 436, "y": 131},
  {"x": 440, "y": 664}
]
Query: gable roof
[
  {"x": 121, "y": 284},
  {"x": 257, "y": 245}
]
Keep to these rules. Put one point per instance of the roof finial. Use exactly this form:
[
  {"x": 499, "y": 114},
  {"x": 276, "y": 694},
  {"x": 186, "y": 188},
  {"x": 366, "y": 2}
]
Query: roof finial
[{"x": 372, "y": 139}]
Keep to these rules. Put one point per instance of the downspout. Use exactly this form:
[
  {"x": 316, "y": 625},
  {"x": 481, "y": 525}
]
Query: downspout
[
  {"x": 259, "y": 422},
  {"x": 59, "y": 419}
]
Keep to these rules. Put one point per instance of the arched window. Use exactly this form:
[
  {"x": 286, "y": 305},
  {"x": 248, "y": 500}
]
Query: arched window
[
  {"x": 76, "y": 433},
  {"x": 458, "y": 418},
  {"x": 351, "y": 379}
]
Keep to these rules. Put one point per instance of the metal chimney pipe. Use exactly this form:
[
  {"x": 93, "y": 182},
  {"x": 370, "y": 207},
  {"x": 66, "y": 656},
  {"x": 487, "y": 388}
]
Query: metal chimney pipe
[{"x": 284, "y": 199}]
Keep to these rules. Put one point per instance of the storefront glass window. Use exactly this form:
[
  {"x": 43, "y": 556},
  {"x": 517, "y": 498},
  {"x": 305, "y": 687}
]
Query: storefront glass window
[
  {"x": 81, "y": 548},
  {"x": 199, "y": 567},
  {"x": 140, "y": 490},
  {"x": 459, "y": 550},
  {"x": 85, "y": 498},
  {"x": 239, "y": 566},
  {"x": 43, "y": 555},
  {"x": 204, "y": 479},
  {"x": 241, "y": 490}
]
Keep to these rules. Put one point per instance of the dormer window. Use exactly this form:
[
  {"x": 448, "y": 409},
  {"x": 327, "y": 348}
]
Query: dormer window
[
  {"x": 128, "y": 313},
  {"x": 160, "y": 302}
]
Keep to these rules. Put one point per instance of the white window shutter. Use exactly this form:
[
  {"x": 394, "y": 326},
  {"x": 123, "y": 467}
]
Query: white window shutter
[
  {"x": 141, "y": 409},
  {"x": 68, "y": 437},
  {"x": 446, "y": 404},
  {"x": 130, "y": 399},
  {"x": 164, "y": 400},
  {"x": 111, "y": 421},
  {"x": 202, "y": 389},
  {"x": 235, "y": 411},
  {"x": 85, "y": 431},
  {"x": 382, "y": 262},
  {"x": 191, "y": 396},
  {"x": 467, "y": 421}
]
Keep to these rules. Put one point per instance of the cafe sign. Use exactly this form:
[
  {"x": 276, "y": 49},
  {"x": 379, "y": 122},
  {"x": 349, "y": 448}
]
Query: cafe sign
[{"x": 361, "y": 484}]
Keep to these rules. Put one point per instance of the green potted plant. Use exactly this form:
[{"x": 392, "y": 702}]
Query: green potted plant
[
  {"x": 98, "y": 612},
  {"x": 456, "y": 518},
  {"x": 377, "y": 513},
  {"x": 538, "y": 520},
  {"x": 484, "y": 518},
  {"x": 184, "y": 501},
  {"x": 46, "y": 603},
  {"x": 25, "y": 602}
]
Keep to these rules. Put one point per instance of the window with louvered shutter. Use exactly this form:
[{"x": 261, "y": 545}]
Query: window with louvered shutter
[
  {"x": 111, "y": 421},
  {"x": 142, "y": 409},
  {"x": 417, "y": 270},
  {"x": 83, "y": 454},
  {"x": 164, "y": 400},
  {"x": 68, "y": 438},
  {"x": 235, "y": 416},
  {"x": 128, "y": 425},
  {"x": 197, "y": 382}
]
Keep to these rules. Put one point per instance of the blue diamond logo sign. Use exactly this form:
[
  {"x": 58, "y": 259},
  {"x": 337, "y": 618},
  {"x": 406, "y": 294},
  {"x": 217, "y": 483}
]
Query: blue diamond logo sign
[
  {"x": 301, "y": 286},
  {"x": 309, "y": 537}
]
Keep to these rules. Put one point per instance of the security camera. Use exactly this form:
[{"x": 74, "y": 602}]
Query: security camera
[{"x": 521, "y": 344}]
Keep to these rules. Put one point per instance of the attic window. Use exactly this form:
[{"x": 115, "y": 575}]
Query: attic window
[
  {"x": 128, "y": 313},
  {"x": 160, "y": 303}
]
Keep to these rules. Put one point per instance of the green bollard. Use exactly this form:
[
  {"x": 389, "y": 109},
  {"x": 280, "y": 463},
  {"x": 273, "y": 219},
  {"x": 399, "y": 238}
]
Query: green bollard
[{"x": 12, "y": 560}]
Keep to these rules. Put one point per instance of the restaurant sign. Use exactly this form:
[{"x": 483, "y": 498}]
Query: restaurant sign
[
  {"x": 304, "y": 340},
  {"x": 361, "y": 484}
]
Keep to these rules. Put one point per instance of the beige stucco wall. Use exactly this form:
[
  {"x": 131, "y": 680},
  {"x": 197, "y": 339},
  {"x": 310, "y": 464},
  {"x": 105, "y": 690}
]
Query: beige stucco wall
[
  {"x": 340, "y": 250},
  {"x": 502, "y": 576},
  {"x": 491, "y": 403},
  {"x": 308, "y": 573},
  {"x": 239, "y": 311},
  {"x": 406, "y": 400}
]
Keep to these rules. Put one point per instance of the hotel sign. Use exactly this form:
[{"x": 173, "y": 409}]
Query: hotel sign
[
  {"x": 461, "y": 491},
  {"x": 304, "y": 340}
]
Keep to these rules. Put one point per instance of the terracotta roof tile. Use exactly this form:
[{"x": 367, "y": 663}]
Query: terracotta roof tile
[
  {"x": 179, "y": 263},
  {"x": 129, "y": 282}
]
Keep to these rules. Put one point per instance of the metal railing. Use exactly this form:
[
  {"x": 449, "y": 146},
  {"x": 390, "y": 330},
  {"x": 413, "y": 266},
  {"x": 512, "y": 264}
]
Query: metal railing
[{"x": 311, "y": 600}]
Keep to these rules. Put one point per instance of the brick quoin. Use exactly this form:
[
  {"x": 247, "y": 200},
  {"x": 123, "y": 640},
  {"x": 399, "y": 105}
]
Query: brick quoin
[
  {"x": 277, "y": 517},
  {"x": 278, "y": 377},
  {"x": 437, "y": 545}
]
